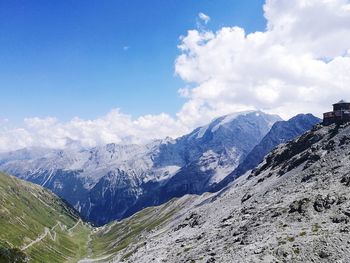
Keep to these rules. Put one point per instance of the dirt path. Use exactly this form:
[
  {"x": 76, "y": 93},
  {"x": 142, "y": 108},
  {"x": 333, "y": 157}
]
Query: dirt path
[
  {"x": 90, "y": 260},
  {"x": 39, "y": 238},
  {"x": 79, "y": 221},
  {"x": 47, "y": 232}
]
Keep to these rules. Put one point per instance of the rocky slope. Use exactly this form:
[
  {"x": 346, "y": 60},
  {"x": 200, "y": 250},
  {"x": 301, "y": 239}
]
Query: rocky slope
[
  {"x": 37, "y": 226},
  {"x": 114, "y": 181},
  {"x": 295, "y": 207},
  {"x": 281, "y": 132}
]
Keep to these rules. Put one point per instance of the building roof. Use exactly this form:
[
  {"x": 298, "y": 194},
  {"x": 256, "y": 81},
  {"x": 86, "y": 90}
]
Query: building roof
[{"x": 341, "y": 102}]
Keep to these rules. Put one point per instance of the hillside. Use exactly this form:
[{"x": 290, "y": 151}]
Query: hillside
[
  {"x": 113, "y": 181},
  {"x": 37, "y": 225},
  {"x": 119, "y": 240},
  {"x": 293, "y": 208}
]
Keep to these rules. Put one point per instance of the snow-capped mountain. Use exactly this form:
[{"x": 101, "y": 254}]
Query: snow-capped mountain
[
  {"x": 113, "y": 181},
  {"x": 281, "y": 132}
]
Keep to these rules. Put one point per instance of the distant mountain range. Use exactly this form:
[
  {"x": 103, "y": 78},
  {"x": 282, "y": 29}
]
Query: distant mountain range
[
  {"x": 294, "y": 206},
  {"x": 115, "y": 181}
]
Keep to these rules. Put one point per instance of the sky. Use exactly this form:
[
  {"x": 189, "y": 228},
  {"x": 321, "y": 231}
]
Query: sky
[
  {"x": 75, "y": 58},
  {"x": 96, "y": 72}
]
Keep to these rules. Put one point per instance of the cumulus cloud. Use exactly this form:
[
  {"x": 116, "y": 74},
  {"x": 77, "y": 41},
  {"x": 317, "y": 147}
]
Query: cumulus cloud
[
  {"x": 300, "y": 63},
  {"x": 113, "y": 127}
]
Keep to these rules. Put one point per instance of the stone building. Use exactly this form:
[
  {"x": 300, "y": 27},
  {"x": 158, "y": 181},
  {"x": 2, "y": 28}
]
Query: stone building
[{"x": 339, "y": 115}]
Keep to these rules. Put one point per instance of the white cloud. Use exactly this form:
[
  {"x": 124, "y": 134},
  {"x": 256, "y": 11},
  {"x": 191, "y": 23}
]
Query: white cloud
[
  {"x": 205, "y": 18},
  {"x": 184, "y": 92},
  {"x": 113, "y": 127},
  {"x": 300, "y": 63}
]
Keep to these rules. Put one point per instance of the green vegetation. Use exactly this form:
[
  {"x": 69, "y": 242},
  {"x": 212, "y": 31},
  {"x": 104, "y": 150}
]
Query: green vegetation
[
  {"x": 315, "y": 228},
  {"x": 9, "y": 254},
  {"x": 65, "y": 247},
  {"x": 116, "y": 237},
  {"x": 296, "y": 250},
  {"x": 303, "y": 233},
  {"x": 187, "y": 249},
  {"x": 35, "y": 223},
  {"x": 291, "y": 239}
]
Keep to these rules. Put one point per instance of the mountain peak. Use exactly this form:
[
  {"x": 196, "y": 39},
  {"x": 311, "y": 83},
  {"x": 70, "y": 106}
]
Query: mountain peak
[
  {"x": 281, "y": 132},
  {"x": 226, "y": 120}
]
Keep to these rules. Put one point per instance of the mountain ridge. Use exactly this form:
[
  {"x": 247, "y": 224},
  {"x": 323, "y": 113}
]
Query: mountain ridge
[
  {"x": 114, "y": 181},
  {"x": 281, "y": 132},
  {"x": 293, "y": 208}
]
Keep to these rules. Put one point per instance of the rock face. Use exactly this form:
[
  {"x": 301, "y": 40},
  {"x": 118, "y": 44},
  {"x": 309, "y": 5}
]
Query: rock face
[
  {"x": 114, "y": 181},
  {"x": 295, "y": 207},
  {"x": 281, "y": 132}
]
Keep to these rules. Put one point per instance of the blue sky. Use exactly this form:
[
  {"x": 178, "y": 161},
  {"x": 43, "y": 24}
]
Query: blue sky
[
  {"x": 68, "y": 58},
  {"x": 61, "y": 59}
]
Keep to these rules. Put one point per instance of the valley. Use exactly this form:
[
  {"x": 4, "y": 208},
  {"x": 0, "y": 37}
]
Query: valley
[{"x": 37, "y": 226}]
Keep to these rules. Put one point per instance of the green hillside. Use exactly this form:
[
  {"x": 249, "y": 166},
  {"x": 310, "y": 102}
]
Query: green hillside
[
  {"x": 37, "y": 225},
  {"x": 123, "y": 238}
]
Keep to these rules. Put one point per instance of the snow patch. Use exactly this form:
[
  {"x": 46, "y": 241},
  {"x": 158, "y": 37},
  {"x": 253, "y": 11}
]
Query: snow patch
[
  {"x": 202, "y": 131},
  {"x": 229, "y": 118}
]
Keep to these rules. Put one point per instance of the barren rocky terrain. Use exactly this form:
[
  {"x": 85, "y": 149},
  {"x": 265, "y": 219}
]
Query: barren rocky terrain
[{"x": 295, "y": 207}]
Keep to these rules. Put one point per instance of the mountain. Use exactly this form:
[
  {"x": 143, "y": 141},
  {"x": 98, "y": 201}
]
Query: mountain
[
  {"x": 115, "y": 181},
  {"x": 281, "y": 132},
  {"x": 295, "y": 207},
  {"x": 38, "y": 226}
]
